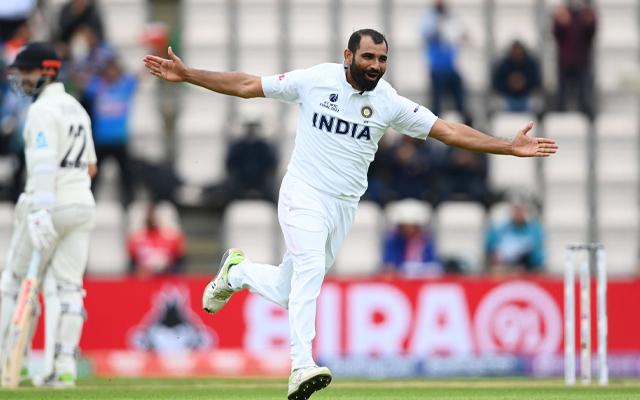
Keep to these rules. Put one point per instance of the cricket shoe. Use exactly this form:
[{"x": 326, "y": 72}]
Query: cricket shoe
[
  {"x": 304, "y": 382},
  {"x": 62, "y": 381},
  {"x": 218, "y": 291}
]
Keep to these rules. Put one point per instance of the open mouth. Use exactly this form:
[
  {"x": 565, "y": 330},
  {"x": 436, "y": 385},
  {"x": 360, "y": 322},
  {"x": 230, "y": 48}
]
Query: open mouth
[{"x": 372, "y": 76}]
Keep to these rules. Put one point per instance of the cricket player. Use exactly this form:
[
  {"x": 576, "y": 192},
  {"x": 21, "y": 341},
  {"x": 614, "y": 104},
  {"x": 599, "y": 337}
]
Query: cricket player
[
  {"x": 55, "y": 213},
  {"x": 344, "y": 109}
]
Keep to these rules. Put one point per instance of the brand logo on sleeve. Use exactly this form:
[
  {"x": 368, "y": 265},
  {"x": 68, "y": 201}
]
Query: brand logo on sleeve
[
  {"x": 333, "y": 97},
  {"x": 41, "y": 141}
]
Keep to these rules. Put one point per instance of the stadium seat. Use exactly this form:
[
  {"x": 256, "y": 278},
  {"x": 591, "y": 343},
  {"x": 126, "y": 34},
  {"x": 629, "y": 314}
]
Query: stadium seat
[
  {"x": 570, "y": 130},
  {"x": 473, "y": 62},
  {"x": 107, "y": 252},
  {"x": 394, "y": 210},
  {"x": 166, "y": 214},
  {"x": 146, "y": 127},
  {"x": 205, "y": 22},
  {"x": 617, "y": 177},
  {"x": 267, "y": 111},
  {"x": 258, "y": 23},
  {"x": 565, "y": 203},
  {"x": 361, "y": 252},
  {"x": 460, "y": 233},
  {"x": 203, "y": 113},
  {"x": 358, "y": 14},
  {"x": 200, "y": 160},
  {"x": 515, "y": 19},
  {"x": 252, "y": 225},
  {"x": 507, "y": 173},
  {"x": 310, "y": 24},
  {"x": 125, "y": 20}
]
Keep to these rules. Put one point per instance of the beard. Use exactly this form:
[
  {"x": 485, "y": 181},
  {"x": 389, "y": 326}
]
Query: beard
[{"x": 360, "y": 77}]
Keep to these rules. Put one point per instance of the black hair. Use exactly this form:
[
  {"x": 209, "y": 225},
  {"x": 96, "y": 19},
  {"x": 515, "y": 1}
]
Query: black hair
[{"x": 356, "y": 37}]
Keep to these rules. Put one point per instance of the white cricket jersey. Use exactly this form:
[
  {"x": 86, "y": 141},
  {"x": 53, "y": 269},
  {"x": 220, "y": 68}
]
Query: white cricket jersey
[
  {"x": 339, "y": 127},
  {"x": 57, "y": 122}
]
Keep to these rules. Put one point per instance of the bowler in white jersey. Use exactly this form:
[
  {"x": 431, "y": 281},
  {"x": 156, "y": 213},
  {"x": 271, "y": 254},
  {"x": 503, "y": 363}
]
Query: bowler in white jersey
[
  {"x": 344, "y": 111},
  {"x": 55, "y": 213}
]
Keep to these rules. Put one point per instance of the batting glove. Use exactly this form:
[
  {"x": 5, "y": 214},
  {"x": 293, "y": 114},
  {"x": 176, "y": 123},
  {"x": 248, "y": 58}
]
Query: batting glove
[{"x": 43, "y": 234}]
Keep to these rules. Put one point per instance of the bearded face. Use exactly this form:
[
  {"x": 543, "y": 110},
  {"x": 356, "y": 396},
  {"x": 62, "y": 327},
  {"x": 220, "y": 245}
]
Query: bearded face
[{"x": 366, "y": 77}]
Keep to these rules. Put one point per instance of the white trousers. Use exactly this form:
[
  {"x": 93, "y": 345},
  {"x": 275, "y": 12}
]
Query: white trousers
[
  {"x": 66, "y": 261},
  {"x": 314, "y": 225}
]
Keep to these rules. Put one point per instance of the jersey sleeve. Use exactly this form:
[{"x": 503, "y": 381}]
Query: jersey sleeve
[
  {"x": 287, "y": 87},
  {"x": 91, "y": 150},
  {"x": 411, "y": 118},
  {"x": 40, "y": 130},
  {"x": 41, "y": 142}
]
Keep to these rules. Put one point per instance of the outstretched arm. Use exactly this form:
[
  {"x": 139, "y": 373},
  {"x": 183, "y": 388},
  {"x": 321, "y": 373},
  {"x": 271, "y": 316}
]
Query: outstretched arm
[
  {"x": 465, "y": 137},
  {"x": 237, "y": 84}
]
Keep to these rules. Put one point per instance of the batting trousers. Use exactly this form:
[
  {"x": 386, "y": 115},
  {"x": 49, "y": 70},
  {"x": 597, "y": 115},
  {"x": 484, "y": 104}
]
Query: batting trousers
[{"x": 314, "y": 225}]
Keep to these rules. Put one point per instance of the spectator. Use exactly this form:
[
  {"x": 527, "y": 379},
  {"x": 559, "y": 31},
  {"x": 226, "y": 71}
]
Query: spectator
[
  {"x": 251, "y": 166},
  {"x": 409, "y": 247},
  {"x": 411, "y": 172},
  {"x": 13, "y": 111},
  {"x": 110, "y": 97},
  {"x": 574, "y": 27},
  {"x": 443, "y": 33},
  {"x": 12, "y": 45},
  {"x": 85, "y": 57},
  {"x": 13, "y": 15},
  {"x": 517, "y": 244},
  {"x": 76, "y": 15},
  {"x": 464, "y": 176},
  {"x": 516, "y": 77},
  {"x": 156, "y": 249}
]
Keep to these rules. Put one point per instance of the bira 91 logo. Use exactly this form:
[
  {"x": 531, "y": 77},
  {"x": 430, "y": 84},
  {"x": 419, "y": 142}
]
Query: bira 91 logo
[{"x": 518, "y": 317}]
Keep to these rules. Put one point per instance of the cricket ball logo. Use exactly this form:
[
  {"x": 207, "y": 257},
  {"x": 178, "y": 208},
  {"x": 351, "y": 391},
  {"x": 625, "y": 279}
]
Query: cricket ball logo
[
  {"x": 518, "y": 317},
  {"x": 171, "y": 325}
]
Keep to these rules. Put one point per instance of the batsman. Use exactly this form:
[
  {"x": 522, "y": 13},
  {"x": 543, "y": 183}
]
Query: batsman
[{"x": 52, "y": 221}]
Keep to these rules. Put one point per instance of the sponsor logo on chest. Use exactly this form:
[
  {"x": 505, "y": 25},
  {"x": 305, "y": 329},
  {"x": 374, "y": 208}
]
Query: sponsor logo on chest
[{"x": 340, "y": 127}]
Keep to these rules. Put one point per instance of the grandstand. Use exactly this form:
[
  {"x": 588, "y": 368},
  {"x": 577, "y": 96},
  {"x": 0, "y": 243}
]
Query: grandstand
[{"x": 589, "y": 192}]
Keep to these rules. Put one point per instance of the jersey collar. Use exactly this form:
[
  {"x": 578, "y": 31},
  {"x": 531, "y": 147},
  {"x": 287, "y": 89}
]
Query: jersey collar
[{"x": 52, "y": 88}]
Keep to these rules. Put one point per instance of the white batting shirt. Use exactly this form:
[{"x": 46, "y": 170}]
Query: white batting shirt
[
  {"x": 339, "y": 127},
  {"x": 58, "y": 145}
]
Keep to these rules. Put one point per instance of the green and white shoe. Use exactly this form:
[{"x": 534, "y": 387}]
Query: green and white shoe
[
  {"x": 62, "y": 381},
  {"x": 218, "y": 292},
  {"x": 304, "y": 382},
  {"x": 24, "y": 374}
]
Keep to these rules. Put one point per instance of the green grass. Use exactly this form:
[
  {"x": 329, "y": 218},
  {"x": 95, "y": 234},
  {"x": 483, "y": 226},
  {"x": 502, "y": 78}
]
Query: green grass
[{"x": 267, "y": 389}]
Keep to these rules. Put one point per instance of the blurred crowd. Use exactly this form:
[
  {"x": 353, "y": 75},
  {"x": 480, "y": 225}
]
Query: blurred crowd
[{"x": 404, "y": 168}]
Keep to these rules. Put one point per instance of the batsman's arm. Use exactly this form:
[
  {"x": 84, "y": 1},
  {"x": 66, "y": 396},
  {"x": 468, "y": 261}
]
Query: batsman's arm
[{"x": 238, "y": 84}]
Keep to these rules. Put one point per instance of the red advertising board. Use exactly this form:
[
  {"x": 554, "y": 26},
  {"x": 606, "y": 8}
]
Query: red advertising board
[{"x": 358, "y": 317}]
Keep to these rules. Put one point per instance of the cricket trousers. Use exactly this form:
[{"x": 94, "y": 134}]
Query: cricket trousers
[
  {"x": 314, "y": 225},
  {"x": 66, "y": 262}
]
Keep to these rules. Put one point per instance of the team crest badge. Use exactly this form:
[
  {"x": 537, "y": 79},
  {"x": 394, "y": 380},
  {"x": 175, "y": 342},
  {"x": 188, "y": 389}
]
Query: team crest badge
[{"x": 366, "y": 112}]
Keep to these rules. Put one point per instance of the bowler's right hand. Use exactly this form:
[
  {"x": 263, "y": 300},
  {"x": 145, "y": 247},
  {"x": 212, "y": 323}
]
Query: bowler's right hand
[{"x": 172, "y": 69}]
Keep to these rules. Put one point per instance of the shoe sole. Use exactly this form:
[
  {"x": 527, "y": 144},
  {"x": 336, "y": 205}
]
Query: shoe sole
[
  {"x": 310, "y": 386},
  {"x": 223, "y": 260}
]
